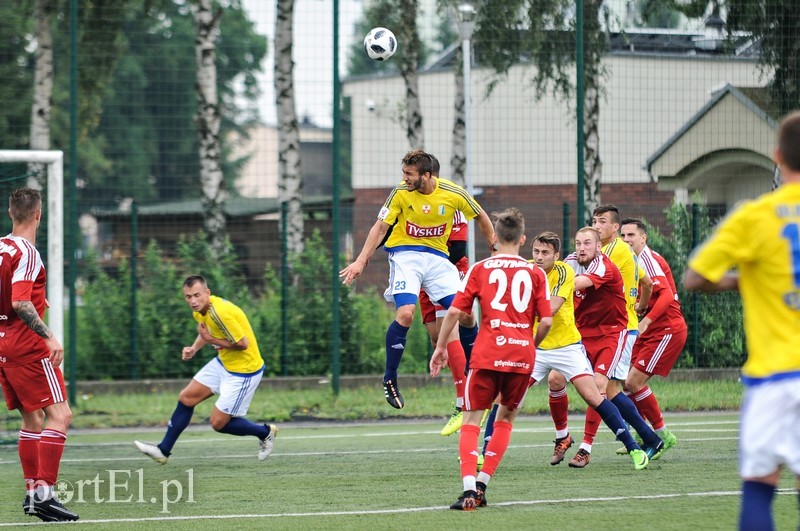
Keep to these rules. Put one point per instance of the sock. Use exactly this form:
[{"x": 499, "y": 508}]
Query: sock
[
  {"x": 467, "y": 337},
  {"x": 51, "y": 448},
  {"x": 497, "y": 447},
  {"x": 28, "y": 449},
  {"x": 756, "y": 511},
  {"x": 489, "y": 429},
  {"x": 482, "y": 480},
  {"x": 647, "y": 404},
  {"x": 631, "y": 415},
  {"x": 467, "y": 451},
  {"x": 559, "y": 409},
  {"x": 613, "y": 420},
  {"x": 395, "y": 346},
  {"x": 457, "y": 362},
  {"x": 180, "y": 419},
  {"x": 242, "y": 426},
  {"x": 590, "y": 426}
]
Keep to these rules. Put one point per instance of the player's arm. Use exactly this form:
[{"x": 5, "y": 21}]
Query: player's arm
[
  {"x": 645, "y": 291},
  {"x": 439, "y": 358},
  {"x": 694, "y": 281},
  {"x": 486, "y": 227},
  {"x": 189, "y": 352},
  {"x": 27, "y": 312},
  {"x": 375, "y": 236},
  {"x": 662, "y": 298},
  {"x": 583, "y": 282},
  {"x": 555, "y": 303},
  {"x": 203, "y": 333}
]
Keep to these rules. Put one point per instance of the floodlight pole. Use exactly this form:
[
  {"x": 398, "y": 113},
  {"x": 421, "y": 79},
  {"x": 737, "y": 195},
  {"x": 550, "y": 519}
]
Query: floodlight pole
[{"x": 467, "y": 15}]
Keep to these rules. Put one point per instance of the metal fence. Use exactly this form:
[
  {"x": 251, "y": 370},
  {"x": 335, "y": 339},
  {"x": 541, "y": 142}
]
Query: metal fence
[{"x": 675, "y": 120}]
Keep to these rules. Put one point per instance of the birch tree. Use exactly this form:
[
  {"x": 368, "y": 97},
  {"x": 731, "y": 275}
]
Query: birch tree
[
  {"x": 290, "y": 180},
  {"x": 42, "y": 91},
  {"x": 208, "y": 122}
]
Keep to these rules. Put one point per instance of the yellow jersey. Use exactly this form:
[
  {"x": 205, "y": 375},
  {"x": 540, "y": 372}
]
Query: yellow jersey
[
  {"x": 625, "y": 259},
  {"x": 761, "y": 238},
  {"x": 422, "y": 222},
  {"x": 561, "y": 280},
  {"x": 225, "y": 320}
]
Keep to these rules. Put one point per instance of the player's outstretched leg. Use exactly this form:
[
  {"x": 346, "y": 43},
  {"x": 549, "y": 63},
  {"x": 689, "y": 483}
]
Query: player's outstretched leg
[{"x": 395, "y": 346}]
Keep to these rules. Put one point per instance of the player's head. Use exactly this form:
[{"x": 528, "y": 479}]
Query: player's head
[
  {"x": 605, "y": 219},
  {"x": 509, "y": 226},
  {"x": 587, "y": 244},
  {"x": 418, "y": 168},
  {"x": 634, "y": 232},
  {"x": 196, "y": 293},
  {"x": 25, "y": 205},
  {"x": 787, "y": 154},
  {"x": 546, "y": 249}
]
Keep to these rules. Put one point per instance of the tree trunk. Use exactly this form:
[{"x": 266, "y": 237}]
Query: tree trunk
[
  {"x": 208, "y": 125},
  {"x": 458, "y": 160},
  {"x": 290, "y": 183},
  {"x": 42, "y": 93},
  {"x": 593, "y": 166},
  {"x": 409, "y": 38}
]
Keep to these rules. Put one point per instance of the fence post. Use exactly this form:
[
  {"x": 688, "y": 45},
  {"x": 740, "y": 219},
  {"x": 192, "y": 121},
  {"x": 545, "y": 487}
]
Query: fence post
[
  {"x": 284, "y": 291},
  {"x": 134, "y": 315},
  {"x": 565, "y": 229},
  {"x": 695, "y": 295}
]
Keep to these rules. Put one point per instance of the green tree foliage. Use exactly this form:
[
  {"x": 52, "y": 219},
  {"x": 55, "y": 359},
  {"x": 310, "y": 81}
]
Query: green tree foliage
[
  {"x": 165, "y": 323},
  {"x": 16, "y": 28},
  {"x": 719, "y": 336}
]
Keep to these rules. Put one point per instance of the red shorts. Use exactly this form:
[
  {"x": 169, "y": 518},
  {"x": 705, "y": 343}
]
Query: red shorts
[
  {"x": 657, "y": 353},
  {"x": 426, "y": 308},
  {"x": 605, "y": 352},
  {"x": 484, "y": 385},
  {"x": 33, "y": 385}
]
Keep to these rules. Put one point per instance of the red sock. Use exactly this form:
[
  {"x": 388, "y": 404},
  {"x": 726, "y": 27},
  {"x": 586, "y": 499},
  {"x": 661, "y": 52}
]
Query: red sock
[
  {"x": 592, "y": 424},
  {"x": 647, "y": 404},
  {"x": 497, "y": 447},
  {"x": 29, "y": 456},
  {"x": 457, "y": 362},
  {"x": 468, "y": 449},
  {"x": 51, "y": 448},
  {"x": 559, "y": 407}
]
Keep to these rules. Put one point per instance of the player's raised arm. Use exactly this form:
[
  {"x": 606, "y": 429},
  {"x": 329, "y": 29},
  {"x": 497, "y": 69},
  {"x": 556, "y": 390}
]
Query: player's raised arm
[
  {"x": 375, "y": 236},
  {"x": 486, "y": 227}
]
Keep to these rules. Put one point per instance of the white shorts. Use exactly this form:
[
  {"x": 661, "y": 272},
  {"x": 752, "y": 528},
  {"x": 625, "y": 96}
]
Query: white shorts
[
  {"x": 624, "y": 363},
  {"x": 770, "y": 428},
  {"x": 409, "y": 271},
  {"x": 235, "y": 390},
  {"x": 571, "y": 361}
]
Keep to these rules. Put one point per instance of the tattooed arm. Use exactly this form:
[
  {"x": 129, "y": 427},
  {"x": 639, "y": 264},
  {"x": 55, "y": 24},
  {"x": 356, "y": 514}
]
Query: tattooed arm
[{"x": 27, "y": 312}]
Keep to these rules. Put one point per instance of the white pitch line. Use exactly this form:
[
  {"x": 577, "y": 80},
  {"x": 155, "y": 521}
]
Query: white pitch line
[
  {"x": 399, "y": 510},
  {"x": 547, "y": 429},
  {"x": 135, "y": 456}
]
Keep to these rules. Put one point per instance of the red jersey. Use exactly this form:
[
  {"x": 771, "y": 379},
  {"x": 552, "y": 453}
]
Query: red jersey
[
  {"x": 601, "y": 309},
  {"x": 512, "y": 293},
  {"x": 660, "y": 260},
  {"x": 663, "y": 309},
  {"x": 22, "y": 278},
  {"x": 459, "y": 233}
]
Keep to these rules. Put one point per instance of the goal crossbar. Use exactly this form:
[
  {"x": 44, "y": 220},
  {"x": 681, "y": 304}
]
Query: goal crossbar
[{"x": 55, "y": 228}]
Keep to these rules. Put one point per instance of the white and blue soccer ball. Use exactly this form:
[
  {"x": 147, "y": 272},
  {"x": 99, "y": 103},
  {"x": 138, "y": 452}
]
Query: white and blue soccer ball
[{"x": 380, "y": 44}]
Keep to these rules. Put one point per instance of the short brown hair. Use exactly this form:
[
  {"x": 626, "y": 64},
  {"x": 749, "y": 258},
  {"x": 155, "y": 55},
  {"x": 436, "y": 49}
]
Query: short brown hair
[
  {"x": 509, "y": 225},
  {"x": 590, "y": 229},
  {"x": 789, "y": 140},
  {"x": 635, "y": 221},
  {"x": 423, "y": 162},
  {"x": 191, "y": 280},
  {"x": 608, "y": 207},
  {"x": 23, "y": 204},
  {"x": 549, "y": 238}
]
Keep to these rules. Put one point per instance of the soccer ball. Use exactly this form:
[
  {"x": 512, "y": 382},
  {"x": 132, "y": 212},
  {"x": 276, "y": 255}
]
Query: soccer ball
[{"x": 380, "y": 44}]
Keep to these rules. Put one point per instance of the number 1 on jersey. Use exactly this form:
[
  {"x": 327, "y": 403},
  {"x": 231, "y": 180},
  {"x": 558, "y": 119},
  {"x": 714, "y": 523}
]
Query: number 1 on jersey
[{"x": 791, "y": 231}]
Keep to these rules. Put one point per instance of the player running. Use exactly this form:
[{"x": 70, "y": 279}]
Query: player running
[{"x": 512, "y": 293}]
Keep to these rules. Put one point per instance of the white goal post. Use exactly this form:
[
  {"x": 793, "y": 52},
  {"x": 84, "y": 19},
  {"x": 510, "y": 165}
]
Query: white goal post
[{"x": 55, "y": 229}]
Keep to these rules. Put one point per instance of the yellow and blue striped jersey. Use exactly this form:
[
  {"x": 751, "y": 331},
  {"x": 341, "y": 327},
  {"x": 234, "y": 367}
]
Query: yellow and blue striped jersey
[
  {"x": 564, "y": 331},
  {"x": 761, "y": 238},
  {"x": 424, "y": 221},
  {"x": 225, "y": 320},
  {"x": 625, "y": 259}
]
